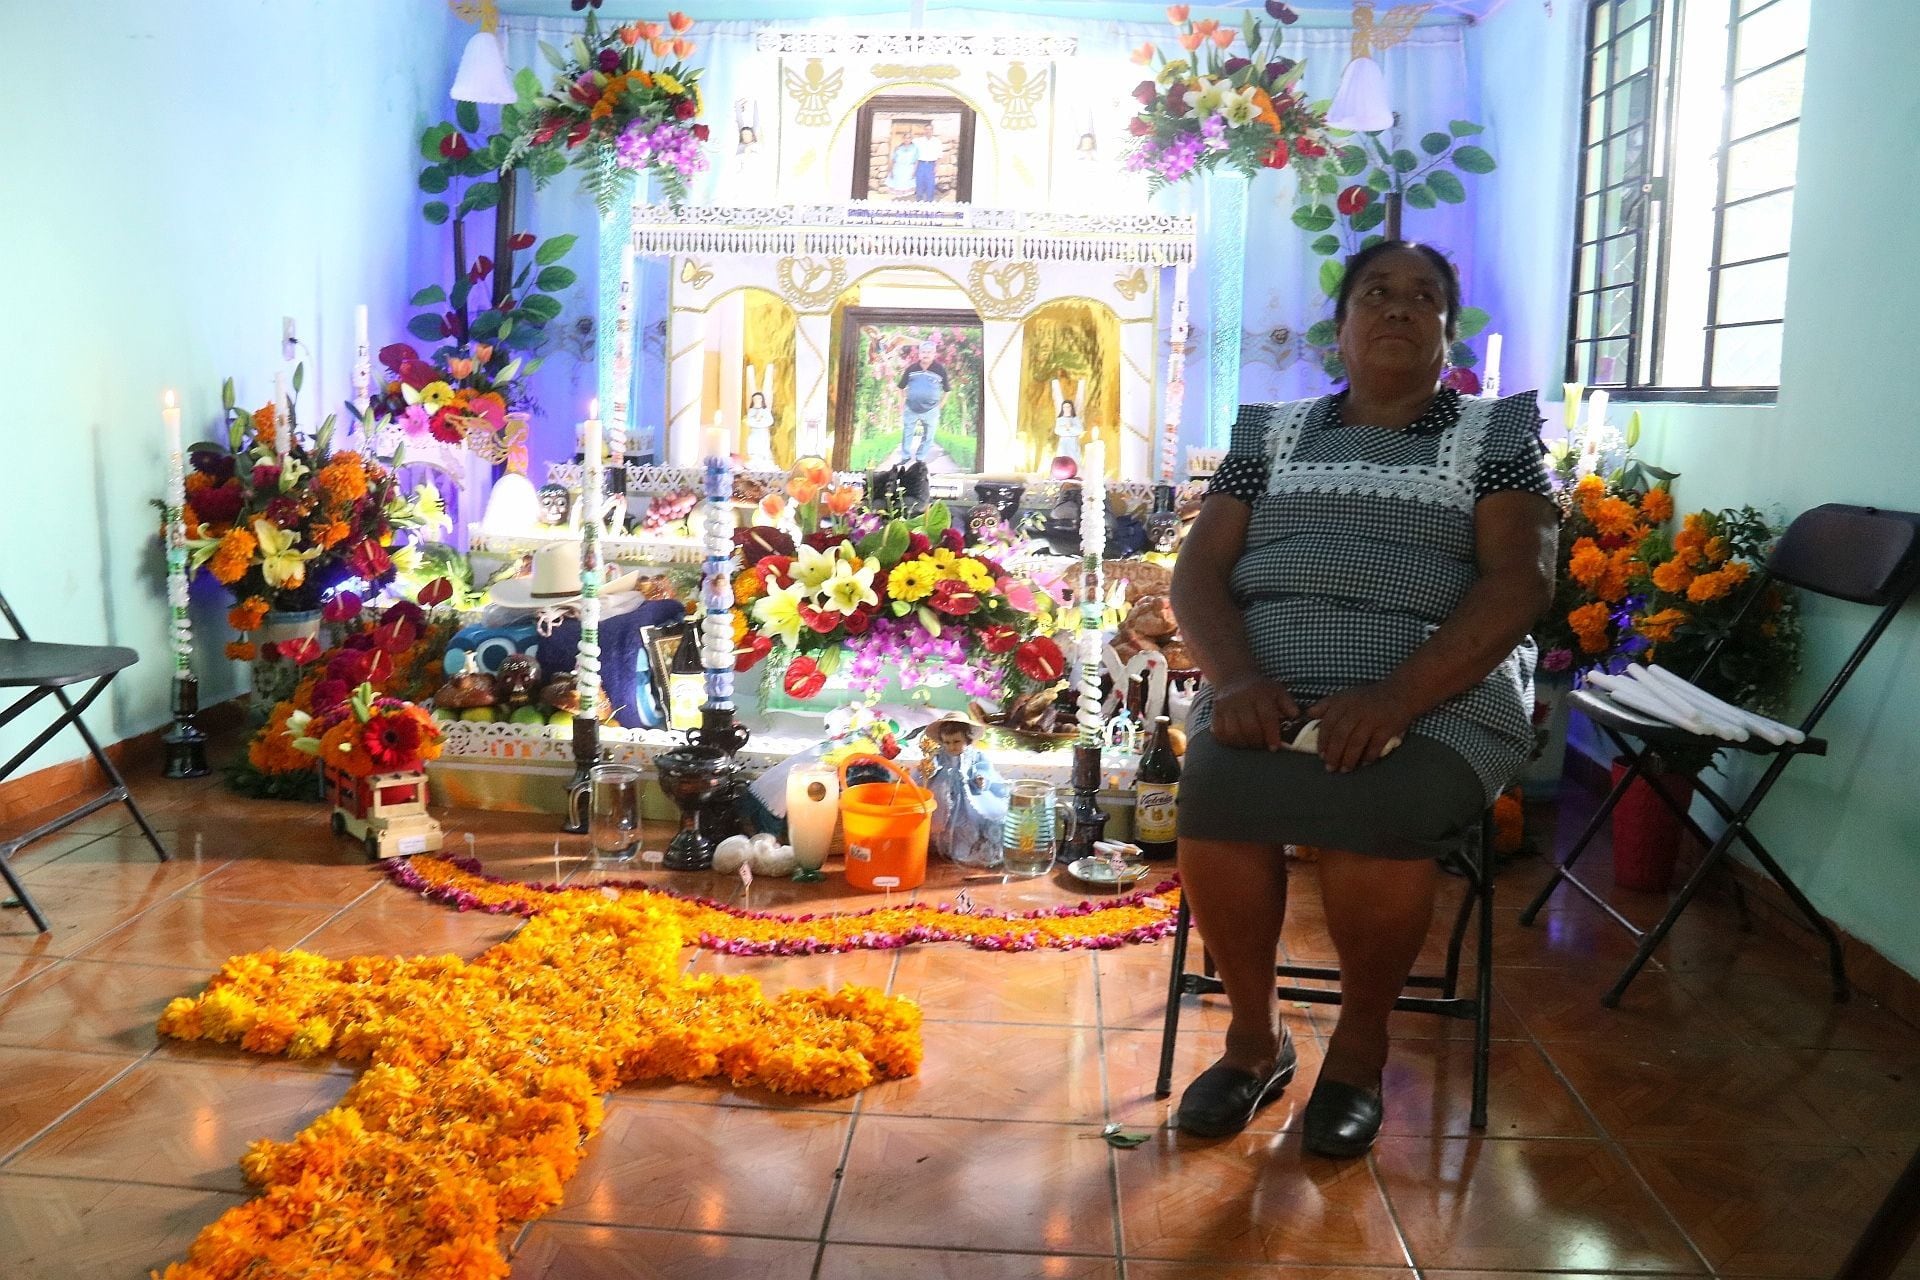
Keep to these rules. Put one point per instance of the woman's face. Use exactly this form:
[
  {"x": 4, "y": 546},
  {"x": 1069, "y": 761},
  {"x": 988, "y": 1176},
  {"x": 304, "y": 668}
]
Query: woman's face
[{"x": 1396, "y": 325}]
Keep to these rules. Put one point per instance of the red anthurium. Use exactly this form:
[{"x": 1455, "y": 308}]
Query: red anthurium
[
  {"x": 481, "y": 269},
  {"x": 396, "y": 354},
  {"x": 300, "y": 650},
  {"x": 702, "y": 132},
  {"x": 857, "y": 622},
  {"x": 804, "y": 678},
  {"x": 454, "y": 147},
  {"x": 1277, "y": 158},
  {"x": 409, "y": 612},
  {"x": 999, "y": 638},
  {"x": 395, "y": 635},
  {"x": 1310, "y": 147},
  {"x": 821, "y": 620},
  {"x": 578, "y": 133},
  {"x": 954, "y": 598},
  {"x": 343, "y": 607},
  {"x": 1040, "y": 660},
  {"x": 370, "y": 560},
  {"x": 1353, "y": 200},
  {"x": 750, "y": 653},
  {"x": 439, "y": 591}
]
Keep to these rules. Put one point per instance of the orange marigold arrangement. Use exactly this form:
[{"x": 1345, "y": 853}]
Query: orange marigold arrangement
[
  {"x": 367, "y": 734},
  {"x": 483, "y": 1081},
  {"x": 1602, "y": 526}
]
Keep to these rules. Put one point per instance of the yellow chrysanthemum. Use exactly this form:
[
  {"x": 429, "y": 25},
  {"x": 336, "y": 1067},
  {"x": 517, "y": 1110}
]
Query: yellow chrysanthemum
[{"x": 912, "y": 580}]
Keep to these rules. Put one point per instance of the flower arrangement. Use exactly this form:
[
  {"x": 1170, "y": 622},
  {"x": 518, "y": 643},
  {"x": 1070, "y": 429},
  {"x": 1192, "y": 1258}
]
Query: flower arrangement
[
  {"x": 280, "y": 527},
  {"x": 1601, "y": 528},
  {"x": 367, "y": 733},
  {"x": 892, "y": 598},
  {"x": 483, "y": 1080},
  {"x": 1211, "y": 106},
  {"x": 610, "y": 111}
]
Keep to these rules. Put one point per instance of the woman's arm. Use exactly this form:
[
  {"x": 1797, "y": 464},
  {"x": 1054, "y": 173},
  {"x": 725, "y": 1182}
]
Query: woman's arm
[
  {"x": 1248, "y": 708},
  {"x": 1515, "y": 545}
]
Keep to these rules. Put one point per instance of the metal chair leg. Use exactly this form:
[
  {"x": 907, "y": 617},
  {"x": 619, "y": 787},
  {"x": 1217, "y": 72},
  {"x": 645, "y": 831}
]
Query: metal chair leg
[
  {"x": 1600, "y": 815},
  {"x": 1483, "y": 993},
  {"x": 1163, "y": 1083},
  {"x": 112, "y": 771},
  {"x": 25, "y": 899}
]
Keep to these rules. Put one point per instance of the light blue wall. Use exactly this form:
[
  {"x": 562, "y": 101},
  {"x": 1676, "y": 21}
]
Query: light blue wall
[
  {"x": 1846, "y": 827},
  {"x": 179, "y": 177}
]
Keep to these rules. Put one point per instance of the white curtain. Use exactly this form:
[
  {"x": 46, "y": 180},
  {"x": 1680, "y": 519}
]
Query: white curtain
[{"x": 1426, "y": 79}]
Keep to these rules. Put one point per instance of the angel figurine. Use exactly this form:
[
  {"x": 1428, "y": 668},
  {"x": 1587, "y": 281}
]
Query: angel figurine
[
  {"x": 969, "y": 795},
  {"x": 759, "y": 418},
  {"x": 1066, "y": 417}
]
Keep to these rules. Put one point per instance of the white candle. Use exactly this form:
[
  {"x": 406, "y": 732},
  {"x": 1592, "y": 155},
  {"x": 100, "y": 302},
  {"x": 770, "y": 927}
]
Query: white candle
[
  {"x": 1093, "y": 511},
  {"x": 1491, "y": 383},
  {"x": 177, "y": 538},
  {"x": 587, "y": 666},
  {"x": 590, "y": 447},
  {"x": 813, "y": 806},
  {"x": 170, "y": 417},
  {"x": 283, "y": 419},
  {"x": 1597, "y": 410},
  {"x": 713, "y": 440},
  {"x": 362, "y": 362}
]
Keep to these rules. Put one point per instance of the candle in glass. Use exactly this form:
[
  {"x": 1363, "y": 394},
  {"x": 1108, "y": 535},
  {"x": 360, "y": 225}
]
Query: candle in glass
[{"x": 813, "y": 807}]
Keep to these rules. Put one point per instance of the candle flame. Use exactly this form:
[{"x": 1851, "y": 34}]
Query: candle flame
[
  {"x": 166, "y": 398},
  {"x": 593, "y": 407}
]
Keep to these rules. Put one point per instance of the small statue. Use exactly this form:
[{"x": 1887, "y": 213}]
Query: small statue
[
  {"x": 556, "y": 505},
  {"x": 1066, "y": 418},
  {"x": 517, "y": 680},
  {"x": 759, "y": 417},
  {"x": 969, "y": 795}
]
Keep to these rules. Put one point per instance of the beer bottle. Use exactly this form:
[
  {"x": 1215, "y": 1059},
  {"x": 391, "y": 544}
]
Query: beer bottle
[{"x": 1156, "y": 795}]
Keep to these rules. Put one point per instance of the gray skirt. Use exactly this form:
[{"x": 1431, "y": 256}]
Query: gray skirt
[{"x": 1415, "y": 802}]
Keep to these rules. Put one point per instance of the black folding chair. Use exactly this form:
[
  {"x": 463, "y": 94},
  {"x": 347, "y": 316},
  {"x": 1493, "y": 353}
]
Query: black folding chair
[
  {"x": 1474, "y": 861},
  {"x": 1860, "y": 554},
  {"x": 46, "y": 670}
]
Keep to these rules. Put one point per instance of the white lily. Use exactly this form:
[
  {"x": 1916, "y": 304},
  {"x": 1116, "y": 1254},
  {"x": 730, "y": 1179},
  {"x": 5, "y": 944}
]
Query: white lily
[
  {"x": 779, "y": 612},
  {"x": 813, "y": 568},
  {"x": 282, "y": 564},
  {"x": 850, "y": 587}
]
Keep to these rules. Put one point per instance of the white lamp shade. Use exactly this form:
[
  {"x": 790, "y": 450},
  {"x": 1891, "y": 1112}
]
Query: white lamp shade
[
  {"x": 1361, "y": 104},
  {"x": 482, "y": 76}
]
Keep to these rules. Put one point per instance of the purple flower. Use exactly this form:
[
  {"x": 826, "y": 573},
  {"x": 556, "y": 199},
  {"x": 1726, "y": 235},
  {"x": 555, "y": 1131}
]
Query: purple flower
[
  {"x": 1281, "y": 11},
  {"x": 609, "y": 60},
  {"x": 1232, "y": 65},
  {"x": 1279, "y": 67},
  {"x": 1557, "y": 659}
]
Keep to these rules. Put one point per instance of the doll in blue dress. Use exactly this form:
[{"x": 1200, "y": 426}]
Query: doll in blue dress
[{"x": 969, "y": 795}]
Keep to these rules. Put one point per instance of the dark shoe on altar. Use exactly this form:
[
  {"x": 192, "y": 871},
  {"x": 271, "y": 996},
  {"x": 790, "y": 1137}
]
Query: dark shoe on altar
[
  {"x": 1342, "y": 1120},
  {"x": 1223, "y": 1100}
]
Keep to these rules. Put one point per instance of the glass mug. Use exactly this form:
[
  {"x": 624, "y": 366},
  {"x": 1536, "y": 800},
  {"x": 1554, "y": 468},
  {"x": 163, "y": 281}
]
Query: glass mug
[
  {"x": 613, "y": 822},
  {"x": 1030, "y": 832}
]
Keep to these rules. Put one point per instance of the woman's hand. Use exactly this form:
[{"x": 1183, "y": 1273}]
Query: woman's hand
[
  {"x": 1356, "y": 725},
  {"x": 1250, "y": 713}
]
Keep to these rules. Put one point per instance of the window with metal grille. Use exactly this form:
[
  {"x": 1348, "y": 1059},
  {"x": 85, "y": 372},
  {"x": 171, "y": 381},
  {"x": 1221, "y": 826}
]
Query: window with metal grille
[{"x": 1690, "y": 134}]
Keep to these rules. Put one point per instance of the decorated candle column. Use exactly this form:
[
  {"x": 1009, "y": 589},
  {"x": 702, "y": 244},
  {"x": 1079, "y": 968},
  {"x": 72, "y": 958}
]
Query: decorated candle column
[
  {"x": 1178, "y": 332},
  {"x": 716, "y": 593},
  {"x": 1093, "y": 546},
  {"x": 587, "y": 673},
  {"x": 185, "y": 743},
  {"x": 362, "y": 361},
  {"x": 283, "y": 421},
  {"x": 619, "y": 392}
]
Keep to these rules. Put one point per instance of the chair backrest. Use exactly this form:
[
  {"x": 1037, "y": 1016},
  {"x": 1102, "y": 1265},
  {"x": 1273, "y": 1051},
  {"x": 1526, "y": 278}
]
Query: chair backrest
[{"x": 1863, "y": 554}]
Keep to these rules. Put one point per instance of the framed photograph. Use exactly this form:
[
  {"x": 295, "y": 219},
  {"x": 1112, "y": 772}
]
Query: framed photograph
[
  {"x": 910, "y": 386},
  {"x": 661, "y": 644},
  {"x": 910, "y": 149}
]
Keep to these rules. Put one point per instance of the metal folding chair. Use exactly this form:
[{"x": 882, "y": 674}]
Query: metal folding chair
[
  {"x": 1859, "y": 554},
  {"x": 1474, "y": 861},
  {"x": 44, "y": 670}
]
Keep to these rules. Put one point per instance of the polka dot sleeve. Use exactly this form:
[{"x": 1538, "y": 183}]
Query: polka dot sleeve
[
  {"x": 1514, "y": 456},
  {"x": 1242, "y": 473}
]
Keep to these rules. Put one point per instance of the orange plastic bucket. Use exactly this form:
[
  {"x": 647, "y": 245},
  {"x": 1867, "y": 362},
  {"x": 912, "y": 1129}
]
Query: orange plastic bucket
[{"x": 887, "y": 826}]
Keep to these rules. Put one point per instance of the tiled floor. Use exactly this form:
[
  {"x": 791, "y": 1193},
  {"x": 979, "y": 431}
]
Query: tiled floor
[{"x": 1727, "y": 1119}]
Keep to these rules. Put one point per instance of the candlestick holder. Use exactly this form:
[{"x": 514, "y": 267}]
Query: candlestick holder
[
  {"x": 1089, "y": 819},
  {"x": 186, "y": 744},
  {"x": 586, "y": 754}
]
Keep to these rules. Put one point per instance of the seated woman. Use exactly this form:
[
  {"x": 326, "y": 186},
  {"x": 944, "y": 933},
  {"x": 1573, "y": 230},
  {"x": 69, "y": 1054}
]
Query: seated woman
[{"x": 1372, "y": 560}]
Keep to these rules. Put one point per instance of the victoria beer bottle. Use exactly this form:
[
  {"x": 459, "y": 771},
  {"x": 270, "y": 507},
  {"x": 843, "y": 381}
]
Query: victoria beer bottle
[{"x": 1156, "y": 795}]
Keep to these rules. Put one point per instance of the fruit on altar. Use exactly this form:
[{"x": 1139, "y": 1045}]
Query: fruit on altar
[
  {"x": 560, "y": 694},
  {"x": 477, "y": 715},
  {"x": 528, "y": 715}
]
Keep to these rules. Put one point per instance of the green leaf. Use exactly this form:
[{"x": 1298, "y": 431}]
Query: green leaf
[
  {"x": 1313, "y": 217},
  {"x": 1462, "y": 356},
  {"x": 893, "y": 543},
  {"x": 1472, "y": 321},
  {"x": 1405, "y": 161},
  {"x": 485, "y": 326},
  {"x": 1117, "y": 1137},
  {"x": 541, "y": 307},
  {"x": 1370, "y": 217},
  {"x": 1435, "y": 144},
  {"x": 1326, "y": 244},
  {"x": 1322, "y": 333},
  {"x": 552, "y": 278},
  {"x": 1474, "y": 159},
  {"x": 1631, "y": 437},
  {"x": 467, "y": 115},
  {"x": 1372, "y": 240},
  {"x": 481, "y": 195},
  {"x": 433, "y": 179},
  {"x": 1380, "y": 180},
  {"x": 428, "y": 296},
  {"x": 1418, "y": 197},
  {"x": 1352, "y": 160},
  {"x": 1327, "y": 184},
  {"x": 505, "y": 330},
  {"x": 526, "y": 83},
  {"x": 436, "y": 212},
  {"x": 553, "y": 55},
  {"x": 554, "y": 248},
  {"x": 1445, "y": 184},
  {"x": 1464, "y": 128},
  {"x": 431, "y": 139},
  {"x": 323, "y": 441},
  {"x": 937, "y": 520},
  {"x": 299, "y": 376},
  {"x": 462, "y": 290},
  {"x": 1332, "y": 272},
  {"x": 930, "y": 620},
  {"x": 226, "y": 395},
  {"x": 427, "y": 328}
]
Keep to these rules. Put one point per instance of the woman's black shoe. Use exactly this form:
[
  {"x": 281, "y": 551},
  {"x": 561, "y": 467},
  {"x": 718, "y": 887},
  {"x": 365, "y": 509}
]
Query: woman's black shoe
[
  {"x": 1342, "y": 1120},
  {"x": 1223, "y": 1100}
]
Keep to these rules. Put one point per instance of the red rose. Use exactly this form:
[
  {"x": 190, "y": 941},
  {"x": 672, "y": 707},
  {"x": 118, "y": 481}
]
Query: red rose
[
  {"x": 1231, "y": 65},
  {"x": 1462, "y": 379},
  {"x": 803, "y": 679},
  {"x": 750, "y": 653},
  {"x": 1145, "y": 92},
  {"x": 917, "y": 545},
  {"x": 952, "y": 539},
  {"x": 1040, "y": 660},
  {"x": 330, "y": 693},
  {"x": 824, "y": 539},
  {"x": 221, "y": 505},
  {"x": 701, "y": 132},
  {"x": 1310, "y": 147},
  {"x": 683, "y": 109},
  {"x": 1139, "y": 126},
  {"x": 1177, "y": 104},
  {"x": 858, "y": 622},
  {"x": 1353, "y": 200},
  {"x": 999, "y": 638}
]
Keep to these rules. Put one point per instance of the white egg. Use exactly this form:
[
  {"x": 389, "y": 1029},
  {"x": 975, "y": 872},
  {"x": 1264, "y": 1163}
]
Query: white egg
[
  {"x": 776, "y": 861},
  {"x": 730, "y": 854}
]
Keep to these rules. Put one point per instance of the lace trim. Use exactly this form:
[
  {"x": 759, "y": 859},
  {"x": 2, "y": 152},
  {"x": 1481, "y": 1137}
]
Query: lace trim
[{"x": 1448, "y": 482}]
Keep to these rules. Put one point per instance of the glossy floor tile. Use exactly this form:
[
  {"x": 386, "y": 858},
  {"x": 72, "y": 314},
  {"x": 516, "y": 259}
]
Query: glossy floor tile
[{"x": 1728, "y": 1119}]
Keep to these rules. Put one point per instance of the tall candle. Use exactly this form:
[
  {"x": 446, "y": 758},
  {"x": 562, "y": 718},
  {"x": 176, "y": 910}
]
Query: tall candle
[
  {"x": 1093, "y": 545},
  {"x": 177, "y": 538},
  {"x": 1490, "y": 385},
  {"x": 283, "y": 419},
  {"x": 813, "y": 806},
  {"x": 362, "y": 360},
  {"x": 1597, "y": 410},
  {"x": 716, "y": 593},
  {"x": 587, "y": 676},
  {"x": 170, "y": 418},
  {"x": 713, "y": 441}
]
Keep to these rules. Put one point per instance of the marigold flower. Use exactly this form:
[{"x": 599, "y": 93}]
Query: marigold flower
[
  {"x": 1716, "y": 550},
  {"x": 265, "y": 422},
  {"x": 343, "y": 480},
  {"x": 1656, "y": 506},
  {"x": 1590, "y": 623},
  {"x": 234, "y": 556},
  {"x": 1672, "y": 576},
  {"x": 242, "y": 651},
  {"x": 1660, "y": 627},
  {"x": 248, "y": 614},
  {"x": 1587, "y": 563},
  {"x": 1615, "y": 516}
]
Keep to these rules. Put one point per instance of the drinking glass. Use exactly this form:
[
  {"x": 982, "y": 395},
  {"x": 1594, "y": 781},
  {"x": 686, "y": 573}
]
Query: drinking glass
[
  {"x": 1032, "y": 829},
  {"x": 614, "y": 819}
]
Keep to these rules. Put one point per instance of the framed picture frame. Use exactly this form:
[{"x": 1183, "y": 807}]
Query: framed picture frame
[
  {"x": 913, "y": 149},
  {"x": 910, "y": 385},
  {"x": 661, "y": 644}
]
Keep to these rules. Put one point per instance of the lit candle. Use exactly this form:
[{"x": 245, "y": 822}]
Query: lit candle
[
  {"x": 587, "y": 674},
  {"x": 713, "y": 441},
  {"x": 1597, "y": 411},
  {"x": 813, "y": 806},
  {"x": 177, "y": 538},
  {"x": 170, "y": 418},
  {"x": 1093, "y": 545},
  {"x": 362, "y": 361},
  {"x": 1490, "y": 385}
]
